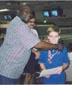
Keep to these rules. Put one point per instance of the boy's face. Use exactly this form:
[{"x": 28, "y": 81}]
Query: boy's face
[{"x": 53, "y": 37}]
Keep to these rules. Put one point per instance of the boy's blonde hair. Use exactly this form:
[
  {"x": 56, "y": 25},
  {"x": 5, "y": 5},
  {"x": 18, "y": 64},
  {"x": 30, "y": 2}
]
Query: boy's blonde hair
[{"x": 53, "y": 28}]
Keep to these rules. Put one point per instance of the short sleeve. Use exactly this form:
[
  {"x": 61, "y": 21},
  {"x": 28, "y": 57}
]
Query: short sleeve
[
  {"x": 65, "y": 56},
  {"x": 27, "y": 38},
  {"x": 35, "y": 32},
  {"x": 42, "y": 57}
]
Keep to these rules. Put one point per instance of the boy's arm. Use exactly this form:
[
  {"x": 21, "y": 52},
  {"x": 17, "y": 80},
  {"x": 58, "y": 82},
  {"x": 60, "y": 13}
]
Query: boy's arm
[
  {"x": 64, "y": 66},
  {"x": 42, "y": 66}
]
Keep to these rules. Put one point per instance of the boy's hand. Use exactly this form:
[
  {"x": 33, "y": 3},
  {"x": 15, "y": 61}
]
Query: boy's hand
[
  {"x": 59, "y": 70},
  {"x": 48, "y": 76}
]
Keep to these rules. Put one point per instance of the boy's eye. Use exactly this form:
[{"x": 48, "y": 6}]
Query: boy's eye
[{"x": 53, "y": 36}]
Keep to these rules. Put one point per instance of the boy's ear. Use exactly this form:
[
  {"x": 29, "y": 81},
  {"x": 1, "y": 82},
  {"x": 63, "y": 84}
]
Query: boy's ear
[{"x": 59, "y": 37}]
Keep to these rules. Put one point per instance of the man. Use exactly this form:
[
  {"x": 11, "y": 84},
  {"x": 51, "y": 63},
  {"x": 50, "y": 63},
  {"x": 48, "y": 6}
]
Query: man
[{"x": 16, "y": 48}]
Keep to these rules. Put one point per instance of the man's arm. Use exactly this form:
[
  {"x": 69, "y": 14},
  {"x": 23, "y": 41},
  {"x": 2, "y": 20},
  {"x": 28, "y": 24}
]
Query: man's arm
[{"x": 47, "y": 46}]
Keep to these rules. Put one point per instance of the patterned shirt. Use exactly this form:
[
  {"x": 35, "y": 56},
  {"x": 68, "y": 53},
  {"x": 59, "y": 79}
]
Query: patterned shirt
[{"x": 16, "y": 48}]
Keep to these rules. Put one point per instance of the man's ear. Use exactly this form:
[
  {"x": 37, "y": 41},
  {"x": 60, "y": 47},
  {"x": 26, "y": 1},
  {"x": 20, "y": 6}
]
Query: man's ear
[{"x": 47, "y": 37}]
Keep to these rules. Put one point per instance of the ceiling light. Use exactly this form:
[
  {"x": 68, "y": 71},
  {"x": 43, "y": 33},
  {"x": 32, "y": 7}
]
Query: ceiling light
[
  {"x": 23, "y": 3},
  {"x": 3, "y": 10}
]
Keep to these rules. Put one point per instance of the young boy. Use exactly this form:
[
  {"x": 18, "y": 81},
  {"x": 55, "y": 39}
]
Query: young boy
[{"x": 54, "y": 58}]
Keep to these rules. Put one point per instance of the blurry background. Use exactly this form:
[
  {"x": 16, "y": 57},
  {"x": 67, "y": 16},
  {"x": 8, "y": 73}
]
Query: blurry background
[{"x": 47, "y": 13}]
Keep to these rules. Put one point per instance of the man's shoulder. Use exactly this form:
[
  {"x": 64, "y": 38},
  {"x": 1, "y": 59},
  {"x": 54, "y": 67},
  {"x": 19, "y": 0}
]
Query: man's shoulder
[{"x": 17, "y": 22}]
